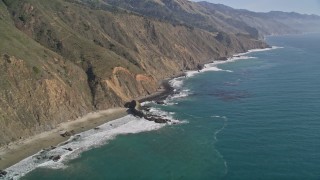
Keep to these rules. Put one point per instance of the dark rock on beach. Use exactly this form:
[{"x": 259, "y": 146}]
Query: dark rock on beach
[
  {"x": 160, "y": 102},
  {"x": 68, "y": 149},
  {"x": 136, "y": 112},
  {"x": 156, "y": 119},
  {"x": 42, "y": 155},
  {"x": 161, "y": 121},
  {"x": 133, "y": 105},
  {"x": 199, "y": 67},
  {"x": 134, "y": 108},
  {"x": 150, "y": 117},
  {"x": 55, "y": 158},
  {"x": 146, "y": 108},
  {"x": 2, "y": 173},
  {"x": 65, "y": 134},
  {"x": 49, "y": 148},
  {"x": 222, "y": 59}
]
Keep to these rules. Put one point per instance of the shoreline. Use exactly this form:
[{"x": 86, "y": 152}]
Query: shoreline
[
  {"x": 17, "y": 151},
  {"x": 161, "y": 94},
  {"x": 166, "y": 88}
]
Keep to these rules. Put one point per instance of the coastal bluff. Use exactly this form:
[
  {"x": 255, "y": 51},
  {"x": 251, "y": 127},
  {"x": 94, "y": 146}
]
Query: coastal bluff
[
  {"x": 58, "y": 64},
  {"x": 62, "y": 59}
]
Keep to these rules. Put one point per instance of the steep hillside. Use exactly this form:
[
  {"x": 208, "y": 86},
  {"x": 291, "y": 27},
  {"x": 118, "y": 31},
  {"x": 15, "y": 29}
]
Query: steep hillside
[
  {"x": 272, "y": 23},
  {"x": 188, "y": 13},
  {"x": 264, "y": 25},
  {"x": 300, "y": 22},
  {"x": 39, "y": 88},
  {"x": 62, "y": 59},
  {"x": 217, "y": 17}
]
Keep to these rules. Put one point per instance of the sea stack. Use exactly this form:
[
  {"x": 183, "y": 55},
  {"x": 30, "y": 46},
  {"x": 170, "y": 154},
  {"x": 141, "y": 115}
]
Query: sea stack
[{"x": 134, "y": 107}]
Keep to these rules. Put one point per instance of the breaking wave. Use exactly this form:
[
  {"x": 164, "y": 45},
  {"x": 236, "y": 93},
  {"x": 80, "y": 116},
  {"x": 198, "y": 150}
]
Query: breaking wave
[{"x": 85, "y": 141}]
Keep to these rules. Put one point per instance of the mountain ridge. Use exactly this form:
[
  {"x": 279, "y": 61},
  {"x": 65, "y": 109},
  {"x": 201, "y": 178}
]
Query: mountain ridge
[
  {"x": 69, "y": 63},
  {"x": 218, "y": 17},
  {"x": 62, "y": 59}
]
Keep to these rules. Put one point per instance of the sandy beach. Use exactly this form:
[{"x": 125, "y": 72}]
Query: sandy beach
[{"x": 17, "y": 151}]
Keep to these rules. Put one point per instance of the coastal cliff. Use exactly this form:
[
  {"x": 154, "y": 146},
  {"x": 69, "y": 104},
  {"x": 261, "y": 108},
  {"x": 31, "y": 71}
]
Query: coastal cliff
[{"x": 62, "y": 59}]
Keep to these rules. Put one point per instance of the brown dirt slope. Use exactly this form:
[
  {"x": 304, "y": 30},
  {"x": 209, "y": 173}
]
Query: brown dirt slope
[{"x": 62, "y": 59}]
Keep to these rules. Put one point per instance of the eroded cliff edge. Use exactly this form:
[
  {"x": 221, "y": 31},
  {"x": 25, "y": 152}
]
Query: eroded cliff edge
[{"x": 62, "y": 59}]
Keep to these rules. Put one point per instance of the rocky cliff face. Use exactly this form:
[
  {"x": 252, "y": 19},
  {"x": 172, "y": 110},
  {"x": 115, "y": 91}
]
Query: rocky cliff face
[
  {"x": 216, "y": 17},
  {"x": 62, "y": 59},
  {"x": 271, "y": 23}
]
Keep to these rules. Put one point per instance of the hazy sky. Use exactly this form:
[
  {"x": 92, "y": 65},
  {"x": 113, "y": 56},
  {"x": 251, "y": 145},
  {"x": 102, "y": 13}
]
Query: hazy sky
[{"x": 301, "y": 6}]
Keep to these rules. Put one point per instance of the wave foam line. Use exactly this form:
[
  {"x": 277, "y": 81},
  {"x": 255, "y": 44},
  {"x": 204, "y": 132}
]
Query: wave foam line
[
  {"x": 242, "y": 56},
  {"x": 207, "y": 67},
  {"x": 177, "y": 83},
  {"x": 85, "y": 141},
  {"x": 225, "y": 123},
  {"x": 259, "y": 50}
]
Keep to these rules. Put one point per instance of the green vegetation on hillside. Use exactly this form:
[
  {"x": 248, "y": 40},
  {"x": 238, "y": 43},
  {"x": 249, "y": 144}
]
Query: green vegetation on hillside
[{"x": 62, "y": 59}]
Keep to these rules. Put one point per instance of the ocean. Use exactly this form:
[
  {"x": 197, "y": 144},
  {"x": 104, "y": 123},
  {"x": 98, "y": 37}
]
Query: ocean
[{"x": 256, "y": 116}]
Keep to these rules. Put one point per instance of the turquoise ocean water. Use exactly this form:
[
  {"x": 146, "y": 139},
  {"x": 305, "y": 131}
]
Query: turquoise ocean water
[{"x": 255, "y": 118}]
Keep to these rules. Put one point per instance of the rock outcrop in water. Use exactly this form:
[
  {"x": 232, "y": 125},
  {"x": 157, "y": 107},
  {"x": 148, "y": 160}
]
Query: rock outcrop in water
[
  {"x": 2, "y": 173},
  {"x": 55, "y": 158},
  {"x": 134, "y": 104},
  {"x": 68, "y": 149},
  {"x": 134, "y": 108},
  {"x": 156, "y": 119},
  {"x": 137, "y": 110}
]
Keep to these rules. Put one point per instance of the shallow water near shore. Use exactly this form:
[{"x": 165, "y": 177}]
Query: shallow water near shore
[{"x": 255, "y": 118}]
